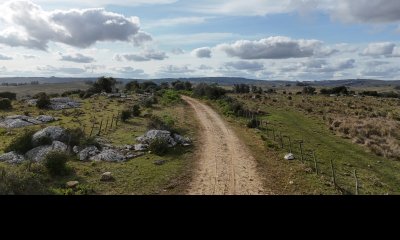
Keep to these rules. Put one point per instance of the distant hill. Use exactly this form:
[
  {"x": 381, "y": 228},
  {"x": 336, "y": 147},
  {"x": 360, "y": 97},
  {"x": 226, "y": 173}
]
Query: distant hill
[{"x": 218, "y": 80}]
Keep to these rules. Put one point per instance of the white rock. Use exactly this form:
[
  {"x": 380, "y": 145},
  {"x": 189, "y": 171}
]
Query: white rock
[
  {"x": 289, "y": 156},
  {"x": 141, "y": 147},
  {"x": 12, "y": 158},
  {"x": 54, "y": 133},
  {"x": 109, "y": 155},
  {"x": 75, "y": 149},
  {"x": 107, "y": 176},
  {"x": 39, "y": 153},
  {"x": 152, "y": 135},
  {"x": 45, "y": 118},
  {"x": 88, "y": 152}
]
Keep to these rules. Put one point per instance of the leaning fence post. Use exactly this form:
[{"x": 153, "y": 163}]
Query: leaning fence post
[
  {"x": 281, "y": 138},
  {"x": 355, "y": 177},
  {"x": 101, "y": 125},
  {"x": 315, "y": 162},
  {"x": 333, "y": 174},
  {"x": 301, "y": 151}
]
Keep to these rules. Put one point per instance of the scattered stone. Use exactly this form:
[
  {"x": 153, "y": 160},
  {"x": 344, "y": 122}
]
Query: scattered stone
[
  {"x": 72, "y": 184},
  {"x": 75, "y": 149},
  {"x": 159, "y": 162},
  {"x": 171, "y": 139},
  {"x": 58, "y": 103},
  {"x": 291, "y": 182},
  {"x": 39, "y": 153},
  {"x": 45, "y": 118},
  {"x": 289, "y": 156},
  {"x": 14, "y": 123},
  {"x": 88, "y": 152},
  {"x": 109, "y": 155},
  {"x": 12, "y": 158},
  {"x": 53, "y": 132},
  {"x": 140, "y": 147},
  {"x": 107, "y": 177}
]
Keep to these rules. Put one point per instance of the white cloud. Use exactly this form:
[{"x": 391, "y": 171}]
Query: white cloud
[
  {"x": 173, "y": 69},
  {"x": 204, "y": 52},
  {"x": 78, "y": 58},
  {"x": 131, "y": 72},
  {"x": 146, "y": 55},
  {"x": 28, "y": 25},
  {"x": 96, "y": 3},
  {"x": 379, "y": 49},
  {"x": 29, "y": 56},
  {"x": 168, "y": 22},
  {"x": 4, "y": 57},
  {"x": 245, "y": 65},
  {"x": 271, "y": 48},
  {"x": 66, "y": 70},
  {"x": 177, "y": 51}
]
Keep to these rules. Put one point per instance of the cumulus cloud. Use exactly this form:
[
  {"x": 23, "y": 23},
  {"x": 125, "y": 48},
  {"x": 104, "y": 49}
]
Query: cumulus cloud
[
  {"x": 28, "y": 25},
  {"x": 204, "y": 52},
  {"x": 131, "y": 72},
  {"x": 29, "y": 56},
  {"x": 141, "y": 37},
  {"x": 144, "y": 56},
  {"x": 271, "y": 48},
  {"x": 322, "y": 66},
  {"x": 379, "y": 49},
  {"x": 381, "y": 72},
  {"x": 173, "y": 69},
  {"x": 4, "y": 57},
  {"x": 167, "y": 22},
  {"x": 370, "y": 11},
  {"x": 245, "y": 65},
  {"x": 177, "y": 51},
  {"x": 67, "y": 70},
  {"x": 78, "y": 58},
  {"x": 204, "y": 67}
]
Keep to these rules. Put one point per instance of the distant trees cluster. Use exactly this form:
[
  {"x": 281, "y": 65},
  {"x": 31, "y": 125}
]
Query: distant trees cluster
[
  {"x": 244, "y": 88},
  {"x": 147, "y": 86},
  {"x": 212, "y": 92},
  {"x": 103, "y": 84},
  {"x": 383, "y": 94},
  {"x": 20, "y": 84},
  {"x": 9, "y": 95},
  {"x": 308, "y": 90},
  {"x": 341, "y": 90},
  {"x": 179, "y": 85}
]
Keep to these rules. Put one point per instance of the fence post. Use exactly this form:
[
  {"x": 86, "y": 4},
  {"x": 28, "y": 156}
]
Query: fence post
[
  {"x": 290, "y": 144},
  {"x": 315, "y": 162},
  {"x": 355, "y": 177},
  {"x": 112, "y": 121},
  {"x": 91, "y": 131},
  {"x": 105, "y": 130},
  {"x": 333, "y": 174},
  {"x": 101, "y": 125},
  {"x": 273, "y": 133},
  {"x": 301, "y": 151},
  {"x": 281, "y": 138}
]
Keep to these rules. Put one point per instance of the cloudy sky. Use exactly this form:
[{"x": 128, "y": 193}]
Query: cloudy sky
[{"x": 261, "y": 39}]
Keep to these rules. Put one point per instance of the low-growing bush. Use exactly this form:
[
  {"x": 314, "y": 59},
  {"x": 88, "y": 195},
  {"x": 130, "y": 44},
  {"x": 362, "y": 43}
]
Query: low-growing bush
[
  {"x": 159, "y": 147},
  {"x": 19, "y": 181},
  {"x": 5, "y": 104},
  {"x": 136, "y": 110},
  {"x": 43, "y": 101},
  {"x": 56, "y": 163},
  {"x": 125, "y": 115},
  {"x": 22, "y": 143},
  {"x": 253, "y": 123},
  {"x": 8, "y": 95},
  {"x": 165, "y": 123},
  {"x": 170, "y": 97}
]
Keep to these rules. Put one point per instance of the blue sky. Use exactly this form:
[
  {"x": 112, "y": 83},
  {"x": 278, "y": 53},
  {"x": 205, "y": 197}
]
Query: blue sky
[{"x": 261, "y": 39}]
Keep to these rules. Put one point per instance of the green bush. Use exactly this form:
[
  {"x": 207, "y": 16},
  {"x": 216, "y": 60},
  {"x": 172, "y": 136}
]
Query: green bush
[
  {"x": 45, "y": 140},
  {"x": 73, "y": 137},
  {"x": 22, "y": 143},
  {"x": 43, "y": 100},
  {"x": 170, "y": 97},
  {"x": 212, "y": 92},
  {"x": 8, "y": 95},
  {"x": 253, "y": 123},
  {"x": 19, "y": 181},
  {"x": 136, "y": 110},
  {"x": 5, "y": 104},
  {"x": 56, "y": 163},
  {"x": 89, "y": 141},
  {"x": 125, "y": 115},
  {"x": 159, "y": 147},
  {"x": 148, "y": 102},
  {"x": 158, "y": 123}
]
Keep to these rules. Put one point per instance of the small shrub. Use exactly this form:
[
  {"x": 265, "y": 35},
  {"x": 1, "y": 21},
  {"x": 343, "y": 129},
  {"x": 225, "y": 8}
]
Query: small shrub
[
  {"x": 22, "y": 143},
  {"x": 73, "y": 137},
  {"x": 136, "y": 110},
  {"x": 170, "y": 97},
  {"x": 159, "y": 147},
  {"x": 19, "y": 181},
  {"x": 8, "y": 95},
  {"x": 89, "y": 141},
  {"x": 43, "y": 101},
  {"x": 5, "y": 104},
  {"x": 253, "y": 123},
  {"x": 125, "y": 115},
  {"x": 166, "y": 123},
  {"x": 56, "y": 163}
]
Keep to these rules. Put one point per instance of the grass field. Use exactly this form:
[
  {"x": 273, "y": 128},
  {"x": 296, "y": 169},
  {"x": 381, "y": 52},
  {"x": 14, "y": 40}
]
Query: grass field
[
  {"x": 376, "y": 174},
  {"x": 136, "y": 176}
]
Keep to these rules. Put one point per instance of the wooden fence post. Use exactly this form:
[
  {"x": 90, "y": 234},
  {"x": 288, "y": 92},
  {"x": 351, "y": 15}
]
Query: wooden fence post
[
  {"x": 281, "y": 138},
  {"x": 290, "y": 144},
  {"x": 112, "y": 121},
  {"x": 333, "y": 174},
  {"x": 101, "y": 125},
  {"x": 91, "y": 131},
  {"x": 315, "y": 162},
  {"x": 273, "y": 133},
  {"x": 105, "y": 130},
  {"x": 301, "y": 151},
  {"x": 355, "y": 177}
]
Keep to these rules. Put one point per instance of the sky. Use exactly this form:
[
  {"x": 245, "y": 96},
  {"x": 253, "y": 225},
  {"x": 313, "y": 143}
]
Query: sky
[{"x": 144, "y": 39}]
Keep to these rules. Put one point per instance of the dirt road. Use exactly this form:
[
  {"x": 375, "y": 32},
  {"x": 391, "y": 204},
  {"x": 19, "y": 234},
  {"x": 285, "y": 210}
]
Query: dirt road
[{"x": 226, "y": 166}]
